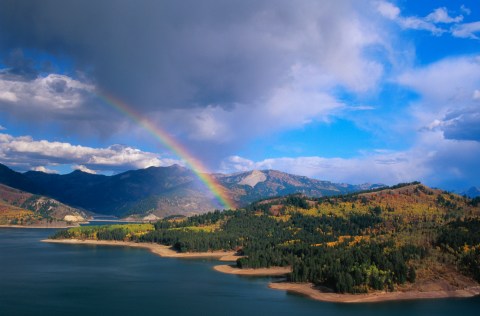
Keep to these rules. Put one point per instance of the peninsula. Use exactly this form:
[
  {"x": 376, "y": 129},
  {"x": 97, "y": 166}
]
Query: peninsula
[{"x": 403, "y": 242}]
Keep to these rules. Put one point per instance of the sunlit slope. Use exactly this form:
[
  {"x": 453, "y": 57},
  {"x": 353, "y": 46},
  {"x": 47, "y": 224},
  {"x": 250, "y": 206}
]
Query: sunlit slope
[
  {"x": 406, "y": 203},
  {"x": 22, "y": 208}
]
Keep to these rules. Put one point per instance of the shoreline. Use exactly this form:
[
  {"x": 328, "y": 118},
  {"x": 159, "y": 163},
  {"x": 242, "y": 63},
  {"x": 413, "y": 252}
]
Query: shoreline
[
  {"x": 273, "y": 271},
  {"x": 38, "y": 226},
  {"x": 118, "y": 221},
  {"x": 308, "y": 289},
  {"x": 305, "y": 289},
  {"x": 161, "y": 250}
]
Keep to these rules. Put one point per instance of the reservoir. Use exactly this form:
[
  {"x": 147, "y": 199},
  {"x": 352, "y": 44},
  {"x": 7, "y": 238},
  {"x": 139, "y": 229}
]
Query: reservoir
[{"x": 54, "y": 279}]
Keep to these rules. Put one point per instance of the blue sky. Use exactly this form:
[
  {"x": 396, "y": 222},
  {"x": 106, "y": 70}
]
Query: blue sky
[{"x": 346, "y": 91}]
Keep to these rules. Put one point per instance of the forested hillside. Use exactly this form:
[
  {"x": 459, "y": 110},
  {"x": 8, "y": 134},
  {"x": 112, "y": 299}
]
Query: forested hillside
[{"x": 356, "y": 243}]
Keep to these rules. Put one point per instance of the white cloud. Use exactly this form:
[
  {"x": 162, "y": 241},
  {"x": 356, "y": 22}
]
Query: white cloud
[
  {"x": 476, "y": 95},
  {"x": 206, "y": 125},
  {"x": 8, "y": 96},
  {"x": 430, "y": 22},
  {"x": 238, "y": 164},
  {"x": 445, "y": 86},
  {"x": 304, "y": 99},
  {"x": 44, "y": 169},
  {"x": 388, "y": 10},
  {"x": 2, "y": 128},
  {"x": 57, "y": 100},
  {"x": 433, "y": 126},
  {"x": 440, "y": 15},
  {"x": 452, "y": 77},
  {"x": 465, "y": 10},
  {"x": 392, "y": 12},
  {"x": 466, "y": 30},
  {"x": 415, "y": 23},
  {"x": 52, "y": 93},
  {"x": 29, "y": 153},
  {"x": 84, "y": 169}
]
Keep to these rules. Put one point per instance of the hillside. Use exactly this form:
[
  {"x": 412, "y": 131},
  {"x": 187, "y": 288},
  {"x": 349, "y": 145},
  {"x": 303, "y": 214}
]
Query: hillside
[
  {"x": 162, "y": 191},
  {"x": 16, "y": 180},
  {"x": 165, "y": 191},
  {"x": 402, "y": 204},
  {"x": 23, "y": 208},
  {"x": 403, "y": 238}
]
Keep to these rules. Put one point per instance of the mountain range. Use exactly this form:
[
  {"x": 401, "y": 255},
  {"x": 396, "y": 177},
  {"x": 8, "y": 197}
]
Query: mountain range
[
  {"x": 166, "y": 191},
  {"x": 472, "y": 192}
]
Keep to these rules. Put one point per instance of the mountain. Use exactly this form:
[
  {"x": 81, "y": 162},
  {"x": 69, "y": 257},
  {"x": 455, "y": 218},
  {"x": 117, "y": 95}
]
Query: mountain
[
  {"x": 473, "y": 192},
  {"x": 247, "y": 187},
  {"x": 16, "y": 180},
  {"x": 22, "y": 208},
  {"x": 166, "y": 191}
]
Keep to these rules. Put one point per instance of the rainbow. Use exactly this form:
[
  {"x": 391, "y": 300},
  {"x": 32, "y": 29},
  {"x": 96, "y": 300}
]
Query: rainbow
[{"x": 173, "y": 145}]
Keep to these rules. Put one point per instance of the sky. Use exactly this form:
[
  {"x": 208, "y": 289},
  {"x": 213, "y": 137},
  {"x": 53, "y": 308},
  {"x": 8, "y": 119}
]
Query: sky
[{"x": 346, "y": 91}]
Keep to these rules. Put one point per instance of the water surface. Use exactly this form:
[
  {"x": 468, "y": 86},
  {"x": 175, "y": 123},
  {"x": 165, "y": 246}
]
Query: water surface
[{"x": 53, "y": 279}]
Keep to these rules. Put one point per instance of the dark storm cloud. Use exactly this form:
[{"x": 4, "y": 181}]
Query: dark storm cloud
[
  {"x": 195, "y": 68},
  {"x": 462, "y": 125},
  {"x": 163, "y": 53},
  {"x": 19, "y": 67}
]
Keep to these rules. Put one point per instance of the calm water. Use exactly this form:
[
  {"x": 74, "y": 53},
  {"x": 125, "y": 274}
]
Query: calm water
[{"x": 52, "y": 279}]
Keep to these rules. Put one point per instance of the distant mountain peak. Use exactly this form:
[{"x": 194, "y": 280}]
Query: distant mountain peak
[
  {"x": 174, "y": 166},
  {"x": 472, "y": 192},
  {"x": 253, "y": 178}
]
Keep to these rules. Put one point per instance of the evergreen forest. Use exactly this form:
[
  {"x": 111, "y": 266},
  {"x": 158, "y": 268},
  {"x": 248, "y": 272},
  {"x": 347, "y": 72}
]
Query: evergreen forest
[{"x": 356, "y": 243}]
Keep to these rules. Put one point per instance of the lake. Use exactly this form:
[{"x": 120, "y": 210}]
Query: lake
[{"x": 53, "y": 279}]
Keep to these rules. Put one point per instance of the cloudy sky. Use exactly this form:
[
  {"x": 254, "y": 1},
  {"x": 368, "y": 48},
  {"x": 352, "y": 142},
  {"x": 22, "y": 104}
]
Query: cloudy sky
[{"x": 347, "y": 91}]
